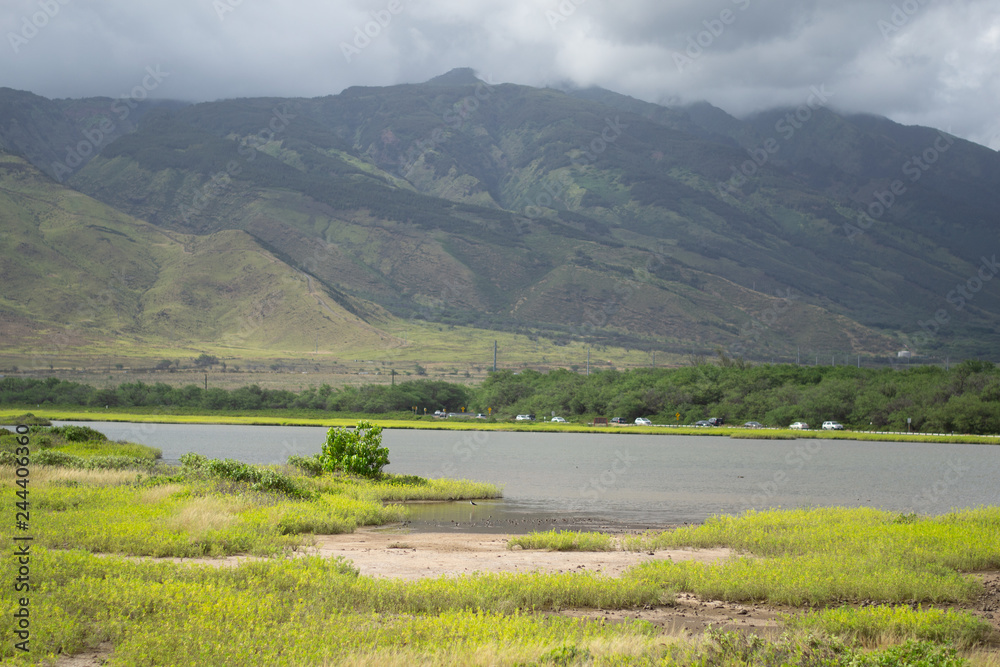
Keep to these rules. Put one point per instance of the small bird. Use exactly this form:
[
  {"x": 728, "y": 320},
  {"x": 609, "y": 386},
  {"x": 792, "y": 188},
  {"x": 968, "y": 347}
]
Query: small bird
[{"x": 471, "y": 503}]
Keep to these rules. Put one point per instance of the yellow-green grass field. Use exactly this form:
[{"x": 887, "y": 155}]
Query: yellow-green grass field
[{"x": 95, "y": 586}]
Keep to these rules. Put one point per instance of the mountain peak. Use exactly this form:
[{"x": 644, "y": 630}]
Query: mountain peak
[{"x": 460, "y": 76}]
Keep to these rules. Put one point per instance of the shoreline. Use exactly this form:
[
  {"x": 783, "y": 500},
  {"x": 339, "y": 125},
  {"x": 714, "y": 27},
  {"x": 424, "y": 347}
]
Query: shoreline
[{"x": 57, "y": 414}]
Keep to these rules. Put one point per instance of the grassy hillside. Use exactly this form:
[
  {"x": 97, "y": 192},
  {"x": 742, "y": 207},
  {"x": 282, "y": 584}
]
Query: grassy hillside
[{"x": 584, "y": 217}]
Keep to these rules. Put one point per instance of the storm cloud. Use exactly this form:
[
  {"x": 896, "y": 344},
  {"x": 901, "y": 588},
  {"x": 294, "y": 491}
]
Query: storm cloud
[{"x": 927, "y": 62}]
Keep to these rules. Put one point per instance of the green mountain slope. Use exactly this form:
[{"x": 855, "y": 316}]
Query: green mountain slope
[
  {"x": 78, "y": 274},
  {"x": 586, "y": 215}
]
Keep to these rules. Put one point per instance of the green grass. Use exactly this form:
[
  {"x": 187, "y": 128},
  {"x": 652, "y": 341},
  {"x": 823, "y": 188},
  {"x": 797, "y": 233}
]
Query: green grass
[
  {"x": 817, "y": 556},
  {"x": 883, "y": 624},
  {"x": 302, "y": 610},
  {"x": 320, "y": 611},
  {"x": 564, "y": 540}
]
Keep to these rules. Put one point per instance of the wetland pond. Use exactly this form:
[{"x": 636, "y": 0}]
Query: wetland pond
[{"x": 619, "y": 481}]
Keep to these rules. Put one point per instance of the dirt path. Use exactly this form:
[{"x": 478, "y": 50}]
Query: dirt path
[{"x": 418, "y": 555}]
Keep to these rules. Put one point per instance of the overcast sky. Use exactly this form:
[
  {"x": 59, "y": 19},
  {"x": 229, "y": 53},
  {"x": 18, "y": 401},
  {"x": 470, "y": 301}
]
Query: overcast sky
[{"x": 928, "y": 62}]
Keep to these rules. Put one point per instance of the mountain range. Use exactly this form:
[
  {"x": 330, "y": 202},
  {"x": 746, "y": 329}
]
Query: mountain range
[{"x": 576, "y": 216}]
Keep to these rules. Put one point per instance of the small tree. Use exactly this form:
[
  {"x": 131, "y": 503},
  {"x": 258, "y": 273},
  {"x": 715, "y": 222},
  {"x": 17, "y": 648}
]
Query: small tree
[{"x": 359, "y": 452}]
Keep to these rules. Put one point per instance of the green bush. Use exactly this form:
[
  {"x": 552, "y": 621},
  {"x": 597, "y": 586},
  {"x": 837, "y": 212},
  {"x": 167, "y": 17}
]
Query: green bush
[
  {"x": 258, "y": 478},
  {"x": 358, "y": 452},
  {"x": 78, "y": 433},
  {"x": 310, "y": 465}
]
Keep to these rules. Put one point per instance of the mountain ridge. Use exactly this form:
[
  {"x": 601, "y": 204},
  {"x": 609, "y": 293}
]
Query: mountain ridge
[{"x": 497, "y": 205}]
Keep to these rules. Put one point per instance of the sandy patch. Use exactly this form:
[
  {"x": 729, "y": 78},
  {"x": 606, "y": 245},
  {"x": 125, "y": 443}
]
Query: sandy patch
[{"x": 417, "y": 555}]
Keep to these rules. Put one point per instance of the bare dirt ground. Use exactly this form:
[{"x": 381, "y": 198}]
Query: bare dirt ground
[{"x": 417, "y": 555}]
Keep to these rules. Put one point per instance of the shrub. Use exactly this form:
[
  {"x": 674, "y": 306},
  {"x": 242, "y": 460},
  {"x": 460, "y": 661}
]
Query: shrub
[
  {"x": 310, "y": 465},
  {"x": 258, "y": 478},
  {"x": 78, "y": 433},
  {"x": 359, "y": 452}
]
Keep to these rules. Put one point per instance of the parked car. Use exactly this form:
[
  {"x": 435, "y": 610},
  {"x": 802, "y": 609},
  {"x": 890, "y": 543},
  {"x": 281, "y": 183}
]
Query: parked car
[
  {"x": 525, "y": 418},
  {"x": 559, "y": 420},
  {"x": 703, "y": 422},
  {"x": 480, "y": 415},
  {"x": 833, "y": 426},
  {"x": 799, "y": 426},
  {"x": 619, "y": 420},
  {"x": 753, "y": 425},
  {"x": 642, "y": 421},
  {"x": 715, "y": 421}
]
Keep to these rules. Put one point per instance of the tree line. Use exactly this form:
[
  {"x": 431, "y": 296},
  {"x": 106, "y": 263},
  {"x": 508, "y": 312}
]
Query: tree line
[{"x": 964, "y": 399}]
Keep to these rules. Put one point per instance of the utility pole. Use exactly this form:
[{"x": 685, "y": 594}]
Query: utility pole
[{"x": 494, "y": 356}]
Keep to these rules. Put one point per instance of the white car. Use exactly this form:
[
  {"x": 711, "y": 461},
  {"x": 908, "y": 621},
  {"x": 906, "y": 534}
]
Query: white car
[
  {"x": 642, "y": 421},
  {"x": 833, "y": 426},
  {"x": 800, "y": 426},
  {"x": 558, "y": 420},
  {"x": 524, "y": 418}
]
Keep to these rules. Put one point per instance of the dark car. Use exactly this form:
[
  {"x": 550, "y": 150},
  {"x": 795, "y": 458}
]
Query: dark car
[
  {"x": 753, "y": 425},
  {"x": 715, "y": 421},
  {"x": 619, "y": 420}
]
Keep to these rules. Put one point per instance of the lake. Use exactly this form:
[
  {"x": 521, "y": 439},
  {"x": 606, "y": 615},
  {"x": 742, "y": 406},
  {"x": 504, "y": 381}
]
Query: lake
[{"x": 617, "y": 480}]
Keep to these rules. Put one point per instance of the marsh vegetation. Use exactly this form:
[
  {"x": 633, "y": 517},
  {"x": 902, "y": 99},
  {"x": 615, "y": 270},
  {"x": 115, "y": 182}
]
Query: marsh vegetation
[{"x": 101, "y": 534}]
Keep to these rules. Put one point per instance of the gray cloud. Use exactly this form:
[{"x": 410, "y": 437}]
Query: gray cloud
[{"x": 931, "y": 62}]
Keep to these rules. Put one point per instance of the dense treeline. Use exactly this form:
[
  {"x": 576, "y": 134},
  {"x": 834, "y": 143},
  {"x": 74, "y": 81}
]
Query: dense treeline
[
  {"x": 965, "y": 399},
  {"x": 369, "y": 399}
]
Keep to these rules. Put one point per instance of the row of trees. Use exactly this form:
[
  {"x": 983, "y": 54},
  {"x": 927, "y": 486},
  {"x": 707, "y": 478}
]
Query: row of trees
[
  {"x": 964, "y": 399},
  {"x": 368, "y": 399}
]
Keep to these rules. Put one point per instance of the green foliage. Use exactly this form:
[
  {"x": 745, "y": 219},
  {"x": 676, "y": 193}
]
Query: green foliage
[
  {"x": 50, "y": 457},
  {"x": 78, "y": 433},
  {"x": 357, "y": 452},
  {"x": 827, "y": 555},
  {"x": 880, "y": 623},
  {"x": 29, "y": 419},
  {"x": 564, "y": 540},
  {"x": 258, "y": 478},
  {"x": 310, "y": 465}
]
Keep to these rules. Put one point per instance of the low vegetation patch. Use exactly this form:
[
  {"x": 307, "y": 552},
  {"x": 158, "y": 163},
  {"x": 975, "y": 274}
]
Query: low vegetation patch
[
  {"x": 564, "y": 540},
  {"x": 882, "y": 624},
  {"x": 325, "y": 612}
]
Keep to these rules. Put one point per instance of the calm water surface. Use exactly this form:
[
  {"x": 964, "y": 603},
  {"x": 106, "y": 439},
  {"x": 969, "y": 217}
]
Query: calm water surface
[{"x": 618, "y": 480}]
